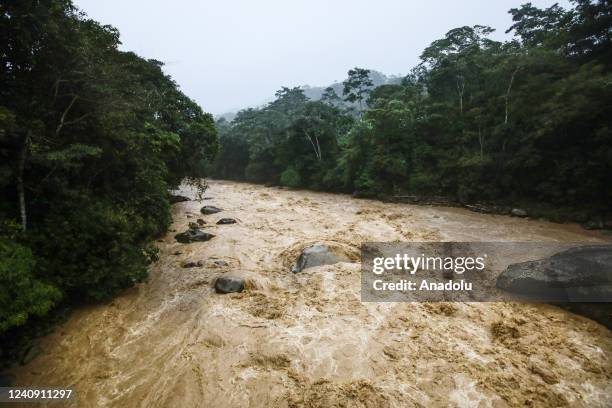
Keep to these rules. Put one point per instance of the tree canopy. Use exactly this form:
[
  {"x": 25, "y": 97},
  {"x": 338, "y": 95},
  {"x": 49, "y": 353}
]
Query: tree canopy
[
  {"x": 525, "y": 121},
  {"x": 91, "y": 139}
]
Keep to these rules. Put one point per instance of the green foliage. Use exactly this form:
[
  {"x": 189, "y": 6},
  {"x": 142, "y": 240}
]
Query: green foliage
[
  {"x": 21, "y": 294},
  {"x": 290, "y": 177},
  {"x": 91, "y": 139},
  {"x": 528, "y": 120},
  {"x": 357, "y": 86}
]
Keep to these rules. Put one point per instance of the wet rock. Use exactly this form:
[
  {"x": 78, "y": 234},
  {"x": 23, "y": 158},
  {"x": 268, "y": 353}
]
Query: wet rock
[
  {"x": 177, "y": 198},
  {"x": 229, "y": 284},
  {"x": 200, "y": 221},
  {"x": 7, "y": 380},
  {"x": 581, "y": 274},
  {"x": 30, "y": 354},
  {"x": 600, "y": 312},
  {"x": 593, "y": 225},
  {"x": 518, "y": 212},
  {"x": 225, "y": 221},
  {"x": 315, "y": 255},
  {"x": 210, "y": 209},
  {"x": 192, "y": 264},
  {"x": 220, "y": 262},
  {"x": 479, "y": 208},
  {"x": 194, "y": 225},
  {"x": 193, "y": 235}
]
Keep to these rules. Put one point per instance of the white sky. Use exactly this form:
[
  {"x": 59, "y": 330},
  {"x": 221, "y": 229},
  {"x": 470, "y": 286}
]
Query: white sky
[{"x": 230, "y": 54}]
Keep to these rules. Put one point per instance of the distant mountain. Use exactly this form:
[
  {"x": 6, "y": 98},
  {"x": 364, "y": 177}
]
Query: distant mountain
[
  {"x": 314, "y": 93},
  {"x": 378, "y": 78}
]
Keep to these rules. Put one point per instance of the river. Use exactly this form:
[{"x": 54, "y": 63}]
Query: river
[{"x": 306, "y": 339}]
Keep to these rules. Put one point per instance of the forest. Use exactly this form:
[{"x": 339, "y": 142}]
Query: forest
[
  {"x": 91, "y": 140},
  {"x": 525, "y": 122}
]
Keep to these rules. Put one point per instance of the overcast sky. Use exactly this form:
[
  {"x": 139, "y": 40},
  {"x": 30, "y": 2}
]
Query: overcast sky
[{"x": 230, "y": 54}]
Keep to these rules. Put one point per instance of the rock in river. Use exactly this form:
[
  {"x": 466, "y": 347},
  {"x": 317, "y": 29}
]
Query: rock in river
[
  {"x": 315, "y": 255},
  {"x": 177, "y": 198},
  {"x": 581, "y": 274},
  {"x": 228, "y": 284},
  {"x": 518, "y": 212},
  {"x": 225, "y": 221},
  {"x": 193, "y": 235},
  {"x": 192, "y": 264},
  {"x": 210, "y": 209}
]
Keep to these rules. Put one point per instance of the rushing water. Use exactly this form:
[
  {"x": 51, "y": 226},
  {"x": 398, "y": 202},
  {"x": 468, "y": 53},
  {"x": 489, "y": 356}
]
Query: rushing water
[{"x": 306, "y": 339}]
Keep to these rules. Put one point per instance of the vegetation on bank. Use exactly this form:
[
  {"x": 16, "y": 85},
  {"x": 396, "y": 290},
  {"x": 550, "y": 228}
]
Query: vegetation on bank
[
  {"x": 91, "y": 139},
  {"x": 525, "y": 121}
]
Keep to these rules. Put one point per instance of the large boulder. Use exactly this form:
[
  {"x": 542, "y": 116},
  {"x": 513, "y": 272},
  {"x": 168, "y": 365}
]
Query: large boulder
[
  {"x": 210, "y": 209},
  {"x": 578, "y": 278},
  {"x": 229, "y": 284},
  {"x": 193, "y": 235},
  {"x": 315, "y": 255}
]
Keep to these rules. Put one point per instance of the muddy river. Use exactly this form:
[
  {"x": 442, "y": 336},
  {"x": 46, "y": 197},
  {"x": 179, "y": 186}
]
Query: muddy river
[{"x": 306, "y": 339}]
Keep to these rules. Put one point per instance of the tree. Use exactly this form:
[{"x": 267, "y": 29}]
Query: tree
[
  {"x": 357, "y": 86},
  {"x": 330, "y": 96}
]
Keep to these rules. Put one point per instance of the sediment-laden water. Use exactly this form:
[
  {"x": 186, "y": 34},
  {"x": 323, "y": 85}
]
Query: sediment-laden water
[{"x": 306, "y": 339}]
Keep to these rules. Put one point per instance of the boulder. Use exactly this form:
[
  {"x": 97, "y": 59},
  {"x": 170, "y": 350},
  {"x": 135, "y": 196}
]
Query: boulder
[
  {"x": 315, "y": 255},
  {"x": 192, "y": 264},
  {"x": 225, "y": 221},
  {"x": 194, "y": 225},
  {"x": 593, "y": 225},
  {"x": 578, "y": 278},
  {"x": 30, "y": 354},
  {"x": 210, "y": 209},
  {"x": 193, "y": 235},
  {"x": 518, "y": 212},
  {"x": 200, "y": 221},
  {"x": 229, "y": 284},
  {"x": 177, "y": 198}
]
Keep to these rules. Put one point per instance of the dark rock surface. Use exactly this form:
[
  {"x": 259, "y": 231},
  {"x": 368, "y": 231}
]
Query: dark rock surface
[
  {"x": 192, "y": 264},
  {"x": 193, "y": 235},
  {"x": 30, "y": 354},
  {"x": 210, "y": 209},
  {"x": 577, "y": 279},
  {"x": 315, "y": 255},
  {"x": 177, "y": 198},
  {"x": 229, "y": 284},
  {"x": 226, "y": 221},
  {"x": 518, "y": 212}
]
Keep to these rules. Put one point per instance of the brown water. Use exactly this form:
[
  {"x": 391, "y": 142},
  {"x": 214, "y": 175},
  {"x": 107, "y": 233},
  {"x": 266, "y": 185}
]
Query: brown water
[{"x": 306, "y": 339}]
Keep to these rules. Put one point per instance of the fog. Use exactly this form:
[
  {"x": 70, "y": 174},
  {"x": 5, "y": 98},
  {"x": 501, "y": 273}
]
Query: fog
[{"x": 232, "y": 54}]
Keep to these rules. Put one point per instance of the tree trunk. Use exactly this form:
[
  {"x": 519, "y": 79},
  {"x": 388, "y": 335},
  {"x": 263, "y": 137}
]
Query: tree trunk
[
  {"x": 508, "y": 94},
  {"x": 460, "y": 91},
  {"x": 20, "y": 184},
  {"x": 481, "y": 142}
]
